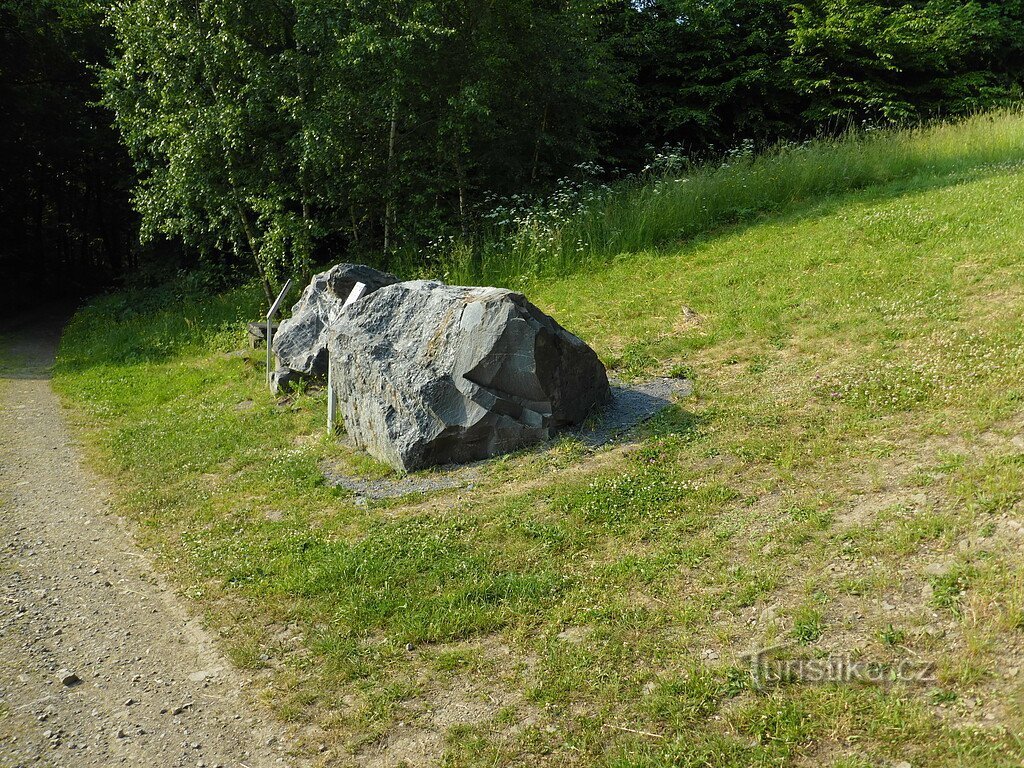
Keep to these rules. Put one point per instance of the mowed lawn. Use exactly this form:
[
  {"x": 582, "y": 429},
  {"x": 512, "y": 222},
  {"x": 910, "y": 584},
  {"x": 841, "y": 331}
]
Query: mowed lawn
[{"x": 847, "y": 480}]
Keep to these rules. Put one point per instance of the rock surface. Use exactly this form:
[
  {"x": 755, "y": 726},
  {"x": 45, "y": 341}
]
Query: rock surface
[
  {"x": 427, "y": 373},
  {"x": 301, "y": 341}
]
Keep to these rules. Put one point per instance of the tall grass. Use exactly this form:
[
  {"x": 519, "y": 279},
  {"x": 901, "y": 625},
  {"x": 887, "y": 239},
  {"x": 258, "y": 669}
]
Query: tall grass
[{"x": 656, "y": 210}]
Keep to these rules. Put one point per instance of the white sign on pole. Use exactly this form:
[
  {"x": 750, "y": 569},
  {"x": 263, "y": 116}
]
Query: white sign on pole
[
  {"x": 357, "y": 293},
  {"x": 332, "y": 401}
]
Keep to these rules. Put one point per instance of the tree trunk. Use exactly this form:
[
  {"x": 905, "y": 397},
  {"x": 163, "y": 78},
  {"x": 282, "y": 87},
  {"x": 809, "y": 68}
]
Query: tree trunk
[
  {"x": 307, "y": 222},
  {"x": 536, "y": 148},
  {"x": 389, "y": 204},
  {"x": 250, "y": 236},
  {"x": 460, "y": 176}
]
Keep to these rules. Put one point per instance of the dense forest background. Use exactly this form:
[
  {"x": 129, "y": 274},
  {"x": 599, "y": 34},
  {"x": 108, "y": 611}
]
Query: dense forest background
[{"x": 257, "y": 139}]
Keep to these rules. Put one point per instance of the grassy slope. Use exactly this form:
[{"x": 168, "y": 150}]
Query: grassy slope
[
  {"x": 581, "y": 226},
  {"x": 848, "y": 477}
]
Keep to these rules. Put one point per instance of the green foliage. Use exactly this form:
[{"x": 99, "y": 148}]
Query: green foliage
[
  {"x": 807, "y": 625},
  {"x": 280, "y": 134},
  {"x": 197, "y": 93},
  {"x": 891, "y": 61},
  {"x": 701, "y": 77},
  {"x": 892, "y": 637},
  {"x": 280, "y": 129},
  {"x": 705, "y": 77},
  {"x": 948, "y": 588}
]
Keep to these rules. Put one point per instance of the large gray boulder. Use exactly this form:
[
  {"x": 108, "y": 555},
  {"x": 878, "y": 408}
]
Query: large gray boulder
[
  {"x": 427, "y": 373},
  {"x": 300, "y": 343}
]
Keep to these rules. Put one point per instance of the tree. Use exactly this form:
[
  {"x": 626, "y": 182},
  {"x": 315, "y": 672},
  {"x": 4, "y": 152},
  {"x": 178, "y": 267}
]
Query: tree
[
  {"x": 703, "y": 75},
  {"x": 197, "y": 91},
  {"x": 63, "y": 176},
  {"x": 891, "y": 61},
  {"x": 279, "y": 129}
]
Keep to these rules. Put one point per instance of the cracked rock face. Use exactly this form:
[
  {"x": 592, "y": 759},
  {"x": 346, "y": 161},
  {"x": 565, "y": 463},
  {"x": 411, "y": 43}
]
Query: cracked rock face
[
  {"x": 301, "y": 341},
  {"x": 427, "y": 373}
]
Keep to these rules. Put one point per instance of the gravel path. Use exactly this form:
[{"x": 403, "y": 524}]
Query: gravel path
[{"x": 100, "y": 664}]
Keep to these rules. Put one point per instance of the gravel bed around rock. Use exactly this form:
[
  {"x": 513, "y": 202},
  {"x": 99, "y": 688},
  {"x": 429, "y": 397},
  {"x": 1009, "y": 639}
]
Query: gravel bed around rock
[{"x": 631, "y": 405}]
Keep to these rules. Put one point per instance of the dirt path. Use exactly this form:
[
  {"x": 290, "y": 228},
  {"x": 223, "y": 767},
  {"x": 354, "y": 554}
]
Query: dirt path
[{"x": 77, "y": 598}]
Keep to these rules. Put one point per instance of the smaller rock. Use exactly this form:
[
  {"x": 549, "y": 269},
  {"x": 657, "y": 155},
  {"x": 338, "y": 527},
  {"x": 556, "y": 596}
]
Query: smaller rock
[
  {"x": 283, "y": 379},
  {"x": 301, "y": 343},
  {"x": 68, "y": 678},
  {"x": 200, "y": 676},
  {"x": 258, "y": 333},
  {"x": 182, "y": 709}
]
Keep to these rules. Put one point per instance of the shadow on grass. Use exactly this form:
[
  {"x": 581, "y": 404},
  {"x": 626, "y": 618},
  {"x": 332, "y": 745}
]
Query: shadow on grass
[
  {"x": 631, "y": 405},
  {"x": 137, "y": 327}
]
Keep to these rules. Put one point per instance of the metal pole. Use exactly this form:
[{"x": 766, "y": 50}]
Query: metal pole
[
  {"x": 270, "y": 317},
  {"x": 269, "y": 340},
  {"x": 332, "y": 401}
]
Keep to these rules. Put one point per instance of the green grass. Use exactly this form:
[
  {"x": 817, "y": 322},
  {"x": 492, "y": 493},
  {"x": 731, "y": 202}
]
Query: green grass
[
  {"x": 655, "y": 211},
  {"x": 847, "y": 479}
]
